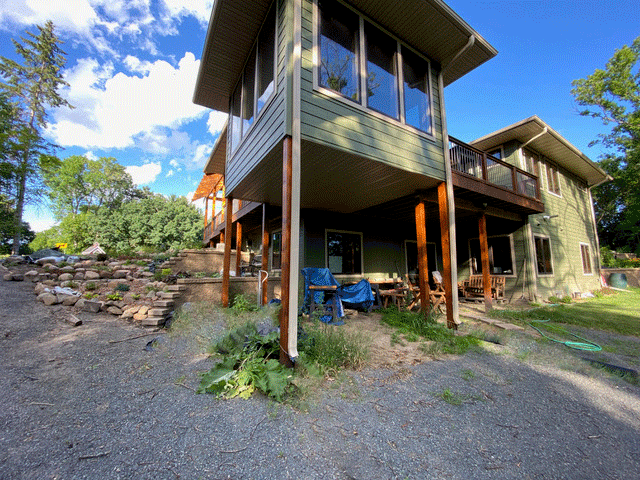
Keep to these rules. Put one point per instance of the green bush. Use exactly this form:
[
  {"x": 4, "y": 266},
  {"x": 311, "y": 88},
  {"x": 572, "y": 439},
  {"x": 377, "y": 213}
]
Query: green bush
[
  {"x": 123, "y": 287},
  {"x": 241, "y": 305},
  {"x": 114, "y": 296}
]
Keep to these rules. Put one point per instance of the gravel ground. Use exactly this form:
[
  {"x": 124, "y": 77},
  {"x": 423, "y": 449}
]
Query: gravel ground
[{"x": 77, "y": 402}]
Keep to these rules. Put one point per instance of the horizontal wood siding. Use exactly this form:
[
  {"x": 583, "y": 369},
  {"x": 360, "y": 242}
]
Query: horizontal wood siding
[
  {"x": 335, "y": 123},
  {"x": 574, "y": 225},
  {"x": 269, "y": 128}
]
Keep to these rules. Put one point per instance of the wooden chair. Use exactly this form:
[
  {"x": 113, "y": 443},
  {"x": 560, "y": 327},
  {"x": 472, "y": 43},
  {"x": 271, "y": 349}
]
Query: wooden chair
[
  {"x": 415, "y": 292},
  {"x": 438, "y": 296}
]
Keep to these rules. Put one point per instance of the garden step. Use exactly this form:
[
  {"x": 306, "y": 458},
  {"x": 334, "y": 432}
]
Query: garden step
[
  {"x": 154, "y": 321},
  {"x": 158, "y": 311},
  {"x": 163, "y": 303},
  {"x": 176, "y": 288},
  {"x": 171, "y": 295}
]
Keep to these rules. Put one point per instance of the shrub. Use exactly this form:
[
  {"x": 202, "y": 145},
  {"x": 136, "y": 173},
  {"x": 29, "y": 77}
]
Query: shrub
[
  {"x": 102, "y": 257},
  {"x": 242, "y": 305},
  {"x": 123, "y": 287}
]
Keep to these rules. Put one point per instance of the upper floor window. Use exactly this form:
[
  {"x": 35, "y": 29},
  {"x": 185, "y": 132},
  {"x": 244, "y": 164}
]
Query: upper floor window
[
  {"x": 553, "y": 180},
  {"x": 415, "y": 72},
  {"x": 382, "y": 75},
  {"x": 391, "y": 79},
  {"x": 496, "y": 153},
  {"x": 531, "y": 162},
  {"x": 339, "y": 42},
  {"x": 256, "y": 84}
]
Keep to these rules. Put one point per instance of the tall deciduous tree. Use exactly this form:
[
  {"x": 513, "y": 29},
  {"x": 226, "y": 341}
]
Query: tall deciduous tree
[
  {"x": 31, "y": 88},
  {"x": 613, "y": 96},
  {"x": 79, "y": 185}
]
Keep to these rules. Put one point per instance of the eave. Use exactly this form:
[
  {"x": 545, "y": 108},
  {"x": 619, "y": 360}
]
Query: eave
[
  {"x": 217, "y": 159},
  {"x": 550, "y": 144},
  {"x": 430, "y": 26}
]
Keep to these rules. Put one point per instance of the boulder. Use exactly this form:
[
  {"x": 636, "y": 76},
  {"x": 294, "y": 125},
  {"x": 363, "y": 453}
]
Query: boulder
[
  {"x": 143, "y": 309},
  {"x": 130, "y": 312},
  {"x": 79, "y": 276},
  {"x": 91, "y": 306},
  {"x": 113, "y": 310},
  {"x": 139, "y": 316},
  {"x": 68, "y": 269},
  {"x": 91, "y": 275},
  {"x": 68, "y": 300},
  {"x": 120, "y": 274},
  {"x": 32, "y": 275},
  {"x": 65, "y": 277},
  {"x": 8, "y": 277},
  {"x": 48, "y": 298},
  {"x": 39, "y": 288},
  {"x": 105, "y": 274}
]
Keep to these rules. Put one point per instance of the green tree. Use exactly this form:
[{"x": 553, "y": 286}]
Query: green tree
[
  {"x": 7, "y": 226},
  {"x": 613, "y": 96},
  {"x": 79, "y": 185},
  {"x": 31, "y": 88}
]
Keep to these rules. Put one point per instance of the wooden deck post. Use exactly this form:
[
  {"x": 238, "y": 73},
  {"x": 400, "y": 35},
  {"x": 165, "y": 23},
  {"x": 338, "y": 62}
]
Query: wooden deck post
[
  {"x": 264, "y": 268},
  {"x": 238, "y": 248},
  {"x": 285, "y": 275},
  {"x": 445, "y": 240},
  {"x": 227, "y": 252},
  {"x": 484, "y": 254},
  {"x": 423, "y": 264}
]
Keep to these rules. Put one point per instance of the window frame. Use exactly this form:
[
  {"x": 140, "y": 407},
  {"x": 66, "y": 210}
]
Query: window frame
[
  {"x": 535, "y": 252},
  {"x": 429, "y": 244},
  {"x": 555, "y": 172},
  {"x": 500, "y": 149},
  {"x": 326, "y": 251},
  {"x": 583, "y": 246},
  {"x": 361, "y": 105},
  {"x": 271, "y": 250},
  {"x": 513, "y": 255},
  {"x": 240, "y": 84}
]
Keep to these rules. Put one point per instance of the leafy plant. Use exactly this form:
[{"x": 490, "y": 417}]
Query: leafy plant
[
  {"x": 135, "y": 296},
  {"x": 241, "y": 305},
  {"x": 91, "y": 286},
  {"x": 90, "y": 295},
  {"x": 114, "y": 296},
  {"x": 123, "y": 287}
]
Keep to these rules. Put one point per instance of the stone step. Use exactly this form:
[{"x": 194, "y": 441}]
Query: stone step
[
  {"x": 158, "y": 311},
  {"x": 163, "y": 303},
  {"x": 154, "y": 321},
  {"x": 170, "y": 295},
  {"x": 176, "y": 288}
]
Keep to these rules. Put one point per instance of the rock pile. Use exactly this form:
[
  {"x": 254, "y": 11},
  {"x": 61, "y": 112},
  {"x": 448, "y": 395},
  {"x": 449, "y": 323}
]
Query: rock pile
[{"x": 128, "y": 290}]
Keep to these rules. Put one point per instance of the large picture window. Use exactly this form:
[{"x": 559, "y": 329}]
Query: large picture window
[
  {"x": 339, "y": 41},
  {"x": 344, "y": 252},
  {"x": 382, "y": 75},
  {"x": 500, "y": 256},
  {"x": 256, "y": 85},
  {"x": 543, "y": 255}
]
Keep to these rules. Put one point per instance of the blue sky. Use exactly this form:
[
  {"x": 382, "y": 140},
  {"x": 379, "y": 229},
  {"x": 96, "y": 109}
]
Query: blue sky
[{"x": 132, "y": 65}]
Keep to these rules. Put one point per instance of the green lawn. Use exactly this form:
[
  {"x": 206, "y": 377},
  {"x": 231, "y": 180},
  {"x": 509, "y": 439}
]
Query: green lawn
[{"x": 619, "y": 313}]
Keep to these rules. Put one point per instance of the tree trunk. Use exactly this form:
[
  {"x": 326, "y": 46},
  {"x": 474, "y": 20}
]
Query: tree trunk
[{"x": 22, "y": 187}]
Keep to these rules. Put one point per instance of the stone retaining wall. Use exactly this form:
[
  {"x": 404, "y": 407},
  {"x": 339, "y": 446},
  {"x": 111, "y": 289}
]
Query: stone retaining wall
[
  {"x": 633, "y": 275},
  {"x": 208, "y": 260},
  {"x": 210, "y": 289}
]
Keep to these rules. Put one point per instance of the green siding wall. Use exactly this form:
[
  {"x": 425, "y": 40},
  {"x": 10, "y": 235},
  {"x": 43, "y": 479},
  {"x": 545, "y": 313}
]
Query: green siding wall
[
  {"x": 269, "y": 128},
  {"x": 346, "y": 127}
]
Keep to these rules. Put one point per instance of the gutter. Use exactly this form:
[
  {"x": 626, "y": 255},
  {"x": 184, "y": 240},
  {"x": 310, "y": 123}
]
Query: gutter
[{"x": 535, "y": 137}]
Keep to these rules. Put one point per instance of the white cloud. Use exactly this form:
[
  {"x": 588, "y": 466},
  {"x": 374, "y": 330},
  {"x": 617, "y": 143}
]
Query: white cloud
[
  {"x": 201, "y": 155},
  {"x": 112, "y": 111},
  {"x": 200, "y": 9},
  {"x": 174, "y": 163},
  {"x": 144, "y": 174},
  {"x": 170, "y": 173},
  {"x": 90, "y": 155},
  {"x": 216, "y": 122},
  {"x": 199, "y": 204}
]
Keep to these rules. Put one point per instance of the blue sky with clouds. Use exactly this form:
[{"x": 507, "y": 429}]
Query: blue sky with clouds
[{"x": 132, "y": 66}]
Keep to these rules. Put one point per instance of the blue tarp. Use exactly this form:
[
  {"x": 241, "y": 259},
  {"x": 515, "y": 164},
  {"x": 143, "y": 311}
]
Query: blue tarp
[{"x": 356, "y": 296}]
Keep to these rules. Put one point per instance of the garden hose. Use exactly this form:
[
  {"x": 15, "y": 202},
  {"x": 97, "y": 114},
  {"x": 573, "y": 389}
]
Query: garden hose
[{"x": 586, "y": 345}]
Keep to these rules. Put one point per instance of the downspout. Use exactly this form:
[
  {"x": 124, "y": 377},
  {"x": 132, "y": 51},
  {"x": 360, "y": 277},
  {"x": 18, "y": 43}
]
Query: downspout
[
  {"x": 449, "y": 180},
  {"x": 544, "y": 130}
]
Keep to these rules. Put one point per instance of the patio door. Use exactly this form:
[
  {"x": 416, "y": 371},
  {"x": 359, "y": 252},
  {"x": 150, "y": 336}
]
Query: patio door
[{"x": 411, "y": 252}]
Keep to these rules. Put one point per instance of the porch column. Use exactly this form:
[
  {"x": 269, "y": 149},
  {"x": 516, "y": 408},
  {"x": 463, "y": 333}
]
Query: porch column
[
  {"x": 445, "y": 240},
  {"x": 285, "y": 276},
  {"x": 226, "y": 265},
  {"x": 484, "y": 254},
  {"x": 238, "y": 247},
  {"x": 423, "y": 265},
  {"x": 264, "y": 268}
]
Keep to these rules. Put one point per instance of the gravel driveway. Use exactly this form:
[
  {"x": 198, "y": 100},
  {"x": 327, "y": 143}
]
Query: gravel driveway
[{"x": 78, "y": 402}]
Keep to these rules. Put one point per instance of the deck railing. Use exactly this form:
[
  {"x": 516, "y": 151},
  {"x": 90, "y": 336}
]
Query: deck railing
[{"x": 476, "y": 163}]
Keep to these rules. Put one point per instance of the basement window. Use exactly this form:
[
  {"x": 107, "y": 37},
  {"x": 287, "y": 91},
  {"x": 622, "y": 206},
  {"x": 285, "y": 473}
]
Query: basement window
[
  {"x": 344, "y": 252},
  {"x": 501, "y": 259}
]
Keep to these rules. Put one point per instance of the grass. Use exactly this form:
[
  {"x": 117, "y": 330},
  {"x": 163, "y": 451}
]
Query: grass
[
  {"x": 618, "y": 313},
  {"x": 417, "y": 327}
]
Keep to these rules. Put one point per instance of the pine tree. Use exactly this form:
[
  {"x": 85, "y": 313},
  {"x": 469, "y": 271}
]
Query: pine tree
[{"x": 31, "y": 88}]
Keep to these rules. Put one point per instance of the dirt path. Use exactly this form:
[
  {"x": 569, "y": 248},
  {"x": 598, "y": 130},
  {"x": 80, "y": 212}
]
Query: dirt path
[{"x": 78, "y": 402}]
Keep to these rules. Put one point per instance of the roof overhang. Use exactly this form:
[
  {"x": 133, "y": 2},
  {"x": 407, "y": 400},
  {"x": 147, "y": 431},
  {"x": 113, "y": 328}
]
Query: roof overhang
[
  {"x": 217, "y": 159},
  {"x": 550, "y": 143},
  {"x": 430, "y": 26},
  {"x": 206, "y": 186}
]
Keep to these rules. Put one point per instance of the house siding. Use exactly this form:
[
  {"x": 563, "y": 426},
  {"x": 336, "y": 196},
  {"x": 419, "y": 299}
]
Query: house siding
[
  {"x": 335, "y": 123},
  {"x": 269, "y": 127}
]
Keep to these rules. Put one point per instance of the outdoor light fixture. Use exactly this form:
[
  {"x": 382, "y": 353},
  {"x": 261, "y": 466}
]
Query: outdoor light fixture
[{"x": 546, "y": 218}]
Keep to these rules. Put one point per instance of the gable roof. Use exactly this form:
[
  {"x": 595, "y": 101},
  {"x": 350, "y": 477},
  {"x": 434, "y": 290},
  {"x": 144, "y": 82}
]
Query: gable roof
[
  {"x": 430, "y": 26},
  {"x": 531, "y": 131}
]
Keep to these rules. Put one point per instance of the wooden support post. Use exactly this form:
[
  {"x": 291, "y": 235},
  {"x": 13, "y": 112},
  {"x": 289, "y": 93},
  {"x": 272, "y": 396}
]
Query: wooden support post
[
  {"x": 227, "y": 253},
  {"x": 484, "y": 254},
  {"x": 206, "y": 210},
  {"x": 285, "y": 276},
  {"x": 238, "y": 248},
  {"x": 222, "y": 237},
  {"x": 445, "y": 239},
  {"x": 423, "y": 264},
  {"x": 264, "y": 268}
]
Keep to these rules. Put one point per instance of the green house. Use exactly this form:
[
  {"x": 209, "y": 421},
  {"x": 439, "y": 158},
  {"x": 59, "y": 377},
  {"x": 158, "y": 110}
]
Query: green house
[{"x": 336, "y": 154}]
